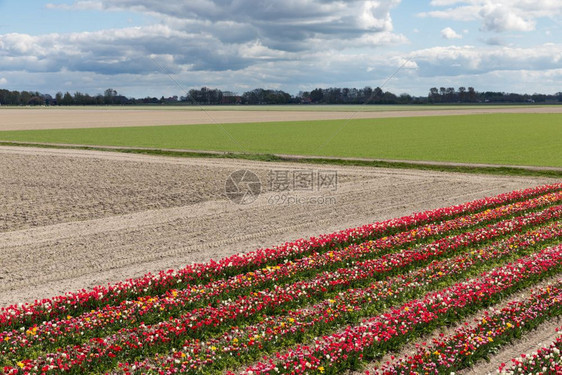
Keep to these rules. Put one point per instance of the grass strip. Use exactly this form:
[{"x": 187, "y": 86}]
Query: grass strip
[{"x": 275, "y": 158}]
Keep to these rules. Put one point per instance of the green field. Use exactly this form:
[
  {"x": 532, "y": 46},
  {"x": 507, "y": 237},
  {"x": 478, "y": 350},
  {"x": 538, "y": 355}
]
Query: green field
[{"x": 507, "y": 139}]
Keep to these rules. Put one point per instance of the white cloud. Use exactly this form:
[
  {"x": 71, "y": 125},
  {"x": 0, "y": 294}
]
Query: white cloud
[
  {"x": 376, "y": 15},
  {"x": 449, "y": 33},
  {"x": 286, "y": 25},
  {"x": 499, "y": 15},
  {"x": 508, "y": 70},
  {"x": 79, "y": 5},
  {"x": 205, "y": 35},
  {"x": 501, "y": 18},
  {"x": 451, "y": 61},
  {"x": 461, "y": 13},
  {"x": 127, "y": 51},
  {"x": 494, "y": 41},
  {"x": 375, "y": 40},
  {"x": 293, "y": 45},
  {"x": 256, "y": 50}
]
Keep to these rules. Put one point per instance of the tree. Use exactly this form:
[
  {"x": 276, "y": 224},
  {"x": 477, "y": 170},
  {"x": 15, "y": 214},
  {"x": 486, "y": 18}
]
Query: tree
[
  {"x": 472, "y": 97},
  {"x": 389, "y": 98},
  {"x": 434, "y": 95},
  {"x": 462, "y": 94},
  {"x": 376, "y": 96},
  {"x": 405, "y": 98},
  {"x": 36, "y": 100},
  {"x": 365, "y": 95},
  {"x": 25, "y": 97},
  {"x": 109, "y": 96},
  {"x": 205, "y": 96},
  {"x": 79, "y": 98},
  {"x": 451, "y": 94},
  {"x": 316, "y": 95},
  {"x": 67, "y": 99}
]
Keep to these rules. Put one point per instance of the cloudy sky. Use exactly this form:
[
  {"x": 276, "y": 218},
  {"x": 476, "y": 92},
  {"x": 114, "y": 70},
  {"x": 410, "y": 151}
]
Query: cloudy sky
[{"x": 155, "y": 47}]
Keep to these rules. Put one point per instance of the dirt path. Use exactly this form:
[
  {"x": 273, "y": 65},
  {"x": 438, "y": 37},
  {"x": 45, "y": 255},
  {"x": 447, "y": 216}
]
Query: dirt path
[
  {"x": 57, "y": 118},
  {"x": 74, "y": 219}
]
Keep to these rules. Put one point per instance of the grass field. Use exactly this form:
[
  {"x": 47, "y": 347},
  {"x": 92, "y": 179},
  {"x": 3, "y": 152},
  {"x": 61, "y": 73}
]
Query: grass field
[{"x": 507, "y": 139}]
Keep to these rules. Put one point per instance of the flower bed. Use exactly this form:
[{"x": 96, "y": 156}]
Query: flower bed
[
  {"x": 546, "y": 361},
  {"x": 224, "y": 315},
  {"x": 494, "y": 329},
  {"x": 74, "y": 303}
]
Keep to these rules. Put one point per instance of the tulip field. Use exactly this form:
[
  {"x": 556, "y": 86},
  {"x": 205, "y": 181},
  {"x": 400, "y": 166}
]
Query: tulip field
[
  {"x": 490, "y": 269},
  {"x": 545, "y": 359}
]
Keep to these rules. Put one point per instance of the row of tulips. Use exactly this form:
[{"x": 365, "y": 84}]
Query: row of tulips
[
  {"x": 545, "y": 361},
  {"x": 494, "y": 329},
  {"x": 201, "y": 321},
  {"x": 77, "y": 302},
  {"x": 242, "y": 344},
  {"x": 376, "y": 336}
]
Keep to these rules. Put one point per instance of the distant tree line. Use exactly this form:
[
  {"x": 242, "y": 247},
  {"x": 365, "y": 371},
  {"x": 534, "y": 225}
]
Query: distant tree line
[
  {"x": 366, "y": 95},
  {"x": 450, "y": 95},
  {"x": 332, "y": 95},
  {"x": 255, "y": 97},
  {"x": 110, "y": 97},
  {"x": 469, "y": 95}
]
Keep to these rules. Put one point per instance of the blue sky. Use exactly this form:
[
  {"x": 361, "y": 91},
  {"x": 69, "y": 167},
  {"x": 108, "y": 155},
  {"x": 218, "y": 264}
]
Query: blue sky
[
  {"x": 134, "y": 45},
  {"x": 38, "y": 17}
]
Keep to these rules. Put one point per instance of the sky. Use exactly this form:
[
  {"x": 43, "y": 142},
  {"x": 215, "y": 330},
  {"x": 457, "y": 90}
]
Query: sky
[{"x": 153, "y": 47}]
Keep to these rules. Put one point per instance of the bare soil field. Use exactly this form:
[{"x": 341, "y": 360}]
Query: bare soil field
[
  {"x": 74, "y": 219},
  {"x": 56, "y": 118}
]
